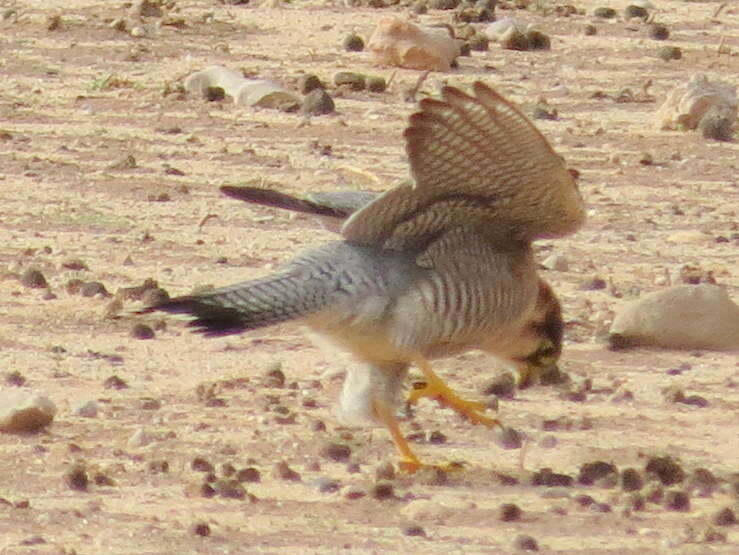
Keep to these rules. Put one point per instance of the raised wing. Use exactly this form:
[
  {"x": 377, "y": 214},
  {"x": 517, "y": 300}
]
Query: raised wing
[{"x": 476, "y": 162}]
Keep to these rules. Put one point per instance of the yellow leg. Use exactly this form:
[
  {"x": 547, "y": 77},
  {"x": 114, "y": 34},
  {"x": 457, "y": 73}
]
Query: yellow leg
[
  {"x": 408, "y": 461},
  {"x": 435, "y": 388}
]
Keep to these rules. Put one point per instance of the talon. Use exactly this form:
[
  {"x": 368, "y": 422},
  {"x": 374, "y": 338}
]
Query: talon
[{"x": 436, "y": 389}]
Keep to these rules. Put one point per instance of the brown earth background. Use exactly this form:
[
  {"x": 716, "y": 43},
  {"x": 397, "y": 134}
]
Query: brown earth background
[{"x": 80, "y": 98}]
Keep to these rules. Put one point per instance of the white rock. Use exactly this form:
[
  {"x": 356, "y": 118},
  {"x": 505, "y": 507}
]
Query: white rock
[
  {"x": 688, "y": 236},
  {"x": 557, "y": 262},
  {"x": 687, "y": 103},
  {"x": 396, "y": 42},
  {"x": 245, "y": 92},
  {"x": 495, "y": 30},
  {"x": 681, "y": 317},
  {"x": 88, "y": 409},
  {"x": 22, "y": 410},
  {"x": 140, "y": 438}
]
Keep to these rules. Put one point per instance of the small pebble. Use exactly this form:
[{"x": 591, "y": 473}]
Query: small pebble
[
  {"x": 414, "y": 530},
  {"x": 383, "y": 490},
  {"x": 142, "y": 331},
  {"x": 508, "y": 438},
  {"x": 114, "y": 382},
  {"x": 33, "y": 278},
  {"x": 336, "y": 452},
  {"x": 590, "y": 472},
  {"x": 317, "y": 103},
  {"x": 355, "y": 81},
  {"x": 631, "y": 480},
  {"x": 200, "y": 528},
  {"x": 87, "y": 409},
  {"x": 525, "y": 543},
  {"x": 668, "y": 53},
  {"x": 724, "y": 517},
  {"x": 590, "y": 30},
  {"x": 510, "y": 512},
  {"x": 717, "y": 124},
  {"x": 658, "y": 31},
  {"x": 666, "y": 469},
  {"x": 353, "y": 43},
  {"x": 230, "y": 489},
  {"x": 503, "y": 385},
  {"x": 376, "y": 84},
  {"x": 676, "y": 500},
  {"x": 76, "y": 478},
  {"x": 249, "y": 474},
  {"x": 93, "y": 288},
  {"x": 592, "y": 284},
  {"x": 282, "y": 471},
  {"x": 635, "y": 11},
  {"x": 308, "y": 83},
  {"x": 353, "y": 492},
  {"x": 545, "y": 477},
  {"x": 200, "y": 464},
  {"x": 328, "y": 485},
  {"x": 385, "y": 471},
  {"x": 604, "y": 13}
]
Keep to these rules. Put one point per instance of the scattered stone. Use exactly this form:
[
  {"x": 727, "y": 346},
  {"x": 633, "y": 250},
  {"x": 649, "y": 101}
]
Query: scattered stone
[
  {"x": 604, "y": 13},
  {"x": 680, "y": 317},
  {"x": 337, "y": 452},
  {"x": 23, "y": 411},
  {"x": 510, "y": 512},
  {"x": 318, "y": 103},
  {"x": 414, "y": 530},
  {"x": 200, "y": 464},
  {"x": 245, "y": 92},
  {"x": 249, "y": 474},
  {"x": 34, "y": 279},
  {"x": 658, "y": 31},
  {"x": 355, "y": 81},
  {"x": 159, "y": 466},
  {"x": 703, "y": 481},
  {"x": 383, "y": 490},
  {"x": 508, "y": 438},
  {"x": 668, "y": 53},
  {"x": 635, "y": 502},
  {"x": 676, "y": 500},
  {"x": 687, "y": 103},
  {"x": 308, "y": 83},
  {"x": 154, "y": 296},
  {"x": 75, "y": 264},
  {"x": 590, "y": 472},
  {"x": 93, "y": 288},
  {"x": 274, "y": 377},
  {"x": 724, "y": 517},
  {"x": 229, "y": 489},
  {"x": 717, "y": 124},
  {"x": 15, "y": 379},
  {"x": 590, "y": 30},
  {"x": 556, "y": 262},
  {"x": 666, "y": 469},
  {"x": 376, "y": 84},
  {"x": 503, "y": 386},
  {"x": 594, "y": 283},
  {"x": 353, "y": 43},
  {"x": 632, "y": 11},
  {"x": 86, "y": 409},
  {"x": 282, "y": 471},
  {"x": 525, "y": 543},
  {"x": 354, "y": 492},
  {"x": 114, "y": 382},
  {"x": 545, "y": 477},
  {"x": 479, "y": 43},
  {"x": 200, "y": 528},
  {"x": 436, "y": 437},
  {"x": 385, "y": 471},
  {"x": 76, "y": 478},
  {"x": 631, "y": 480},
  {"x": 396, "y": 42},
  {"x": 140, "y": 438},
  {"x": 328, "y": 485},
  {"x": 142, "y": 331}
]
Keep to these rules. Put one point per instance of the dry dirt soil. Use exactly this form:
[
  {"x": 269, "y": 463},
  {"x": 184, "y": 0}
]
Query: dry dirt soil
[{"x": 82, "y": 101}]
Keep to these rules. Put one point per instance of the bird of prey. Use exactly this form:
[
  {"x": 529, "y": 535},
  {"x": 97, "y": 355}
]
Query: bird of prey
[
  {"x": 435, "y": 266},
  {"x": 332, "y": 208}
]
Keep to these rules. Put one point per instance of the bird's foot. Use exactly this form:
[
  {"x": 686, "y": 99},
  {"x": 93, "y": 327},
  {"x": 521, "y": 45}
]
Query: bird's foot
[
  {"x": 435, "y": 388},
  {"x": 414, "y": 465}
]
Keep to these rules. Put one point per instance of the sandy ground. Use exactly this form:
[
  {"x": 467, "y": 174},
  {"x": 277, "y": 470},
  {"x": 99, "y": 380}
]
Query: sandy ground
[{"x": 79, "y": 99}]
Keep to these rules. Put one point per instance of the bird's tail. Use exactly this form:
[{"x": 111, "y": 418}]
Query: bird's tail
[{"x": 284, "y": 296}]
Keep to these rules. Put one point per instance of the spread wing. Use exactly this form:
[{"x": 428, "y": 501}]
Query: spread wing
[{"x": 476, "y": 162}]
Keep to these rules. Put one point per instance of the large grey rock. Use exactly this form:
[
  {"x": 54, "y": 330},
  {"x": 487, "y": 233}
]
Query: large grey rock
[
  {"x": 23, "y": 411},
  {"x": 681, "y": 317}
]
